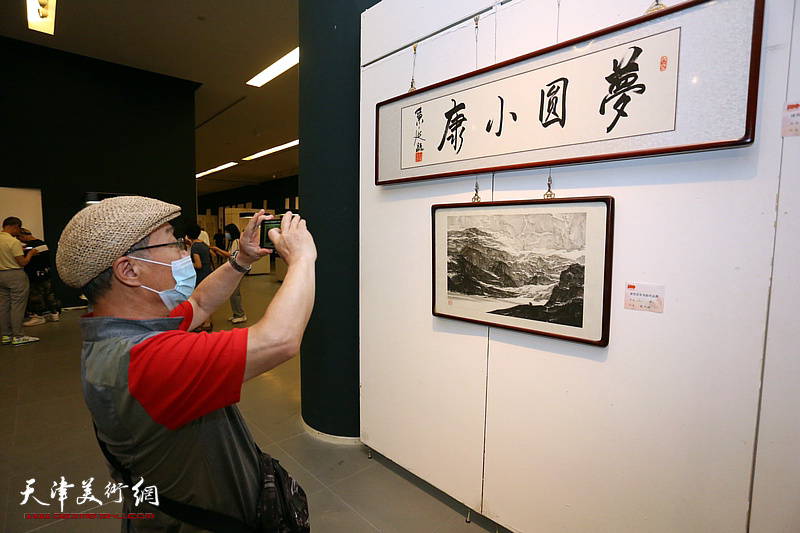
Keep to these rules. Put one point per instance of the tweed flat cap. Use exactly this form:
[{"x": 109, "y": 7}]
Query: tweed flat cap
[{"x": 102, "y": 232}]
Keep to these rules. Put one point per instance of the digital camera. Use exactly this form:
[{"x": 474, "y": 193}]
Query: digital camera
[{"x": 265, "y": 227}]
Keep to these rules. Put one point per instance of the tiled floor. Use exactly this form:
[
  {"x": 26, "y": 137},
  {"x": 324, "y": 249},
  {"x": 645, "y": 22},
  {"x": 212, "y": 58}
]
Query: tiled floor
[{"x": 46, "y": 433}]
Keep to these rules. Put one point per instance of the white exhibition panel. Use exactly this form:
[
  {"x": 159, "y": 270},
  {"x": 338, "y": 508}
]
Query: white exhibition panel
[
  {"x": 579, "y": 17},
  {"x": 423, "y": 380},
  {"x": 26, "y": 205},
  {"x": 654, "y": 433},
  {"x": 518, "y": 39},
  {"x": 777, "y": 479},
  {"x": 410, "y": 22}
]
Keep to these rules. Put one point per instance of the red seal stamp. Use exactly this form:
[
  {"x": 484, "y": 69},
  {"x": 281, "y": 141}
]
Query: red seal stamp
[{"x": 663, "y": 66}]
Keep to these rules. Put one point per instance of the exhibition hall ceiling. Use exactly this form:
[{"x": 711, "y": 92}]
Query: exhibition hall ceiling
[{"x": 220, "y": 45}]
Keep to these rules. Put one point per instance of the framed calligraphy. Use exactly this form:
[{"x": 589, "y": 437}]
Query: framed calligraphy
[
  {"x": 537, "y": 266},
  {"x": 654, "y": 85}
]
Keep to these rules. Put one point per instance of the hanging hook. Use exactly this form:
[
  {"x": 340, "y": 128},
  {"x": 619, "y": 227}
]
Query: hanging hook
[
  {"x": 413, "y": 69},
  {"x": 655, "y": 6},
  {"x": 550, "y": 194},
  {"x": 476, "y": 198}
]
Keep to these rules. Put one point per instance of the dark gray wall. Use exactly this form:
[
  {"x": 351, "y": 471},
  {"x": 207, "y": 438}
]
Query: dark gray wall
[
  {"x": 274, "y": 192},
  {"x": 71, "y": 125},
  {"x": 328, "y": 183}
]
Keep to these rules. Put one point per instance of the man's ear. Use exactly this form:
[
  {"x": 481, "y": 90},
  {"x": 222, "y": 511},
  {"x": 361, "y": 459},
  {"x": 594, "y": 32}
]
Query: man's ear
[{"x": 125, "y": 273}]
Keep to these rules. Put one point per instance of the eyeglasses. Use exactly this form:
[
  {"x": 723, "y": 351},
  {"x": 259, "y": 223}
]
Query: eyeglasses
[{"x": 177, "y": 244}]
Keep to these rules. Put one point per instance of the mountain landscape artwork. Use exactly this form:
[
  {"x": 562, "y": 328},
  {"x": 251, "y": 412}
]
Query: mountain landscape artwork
[{"x": 528, "y": 266}]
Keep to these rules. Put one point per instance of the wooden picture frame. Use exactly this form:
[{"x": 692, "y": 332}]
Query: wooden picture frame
[
  {"x": 681, "y": 79},
  {"x": 536, "y": 266}
]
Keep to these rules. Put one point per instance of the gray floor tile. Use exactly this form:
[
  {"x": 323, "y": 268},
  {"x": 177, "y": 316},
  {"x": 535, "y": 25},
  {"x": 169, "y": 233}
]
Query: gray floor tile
[
  {"x": 273, "y": 428},
  {"x": 327, "y": 462},
  {"x": 9, "y": 396},
  {"x": 52, "y": 445},
  {"x": 391, "y": 502},
  {"x": 7, "y": 417},
  {"x": 6, "y": 452},
  {"x": 4, "y": 497},
  {"x": 52, "y": 412},
  {"x": 50, "y": 387},
  {"x": 303, "y": 477},
  {"x": 329, "y": 514}
]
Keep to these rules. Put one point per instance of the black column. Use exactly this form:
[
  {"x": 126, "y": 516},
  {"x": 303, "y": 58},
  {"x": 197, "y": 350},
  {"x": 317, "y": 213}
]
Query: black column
[{"x": 328, "y": 186}]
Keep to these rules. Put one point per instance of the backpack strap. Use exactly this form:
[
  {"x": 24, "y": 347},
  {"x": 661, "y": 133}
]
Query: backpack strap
[{"x": 194, "y": 516}]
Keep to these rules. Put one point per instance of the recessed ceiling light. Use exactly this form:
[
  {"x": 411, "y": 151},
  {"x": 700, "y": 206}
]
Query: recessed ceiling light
[
  {"x": 272, "y": 150},
  {"x": 276, "y": 69},
  {"x": 217, "y": 169}
]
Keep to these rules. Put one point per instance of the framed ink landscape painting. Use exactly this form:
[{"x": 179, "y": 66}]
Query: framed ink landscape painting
[{"x": 537, "y": 266}]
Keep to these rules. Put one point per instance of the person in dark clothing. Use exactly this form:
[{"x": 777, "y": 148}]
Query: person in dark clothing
[
  {"x": 219, "y": 242},
  {"x": 201, "y": 260},
  {"x": 43, "y": 306}
]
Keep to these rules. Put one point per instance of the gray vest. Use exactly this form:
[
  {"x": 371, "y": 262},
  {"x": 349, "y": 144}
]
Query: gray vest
[{"x": 211, "y": 462}]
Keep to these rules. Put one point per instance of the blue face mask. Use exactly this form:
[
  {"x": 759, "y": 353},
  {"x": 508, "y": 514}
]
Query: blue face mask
[
  {"x": 185, "y": 278},
  {"x": 228, "y": 236}
]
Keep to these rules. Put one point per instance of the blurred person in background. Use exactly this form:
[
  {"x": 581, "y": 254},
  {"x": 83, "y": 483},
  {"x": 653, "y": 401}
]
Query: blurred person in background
[
  {"x": 232, "y": 235},
  {"x": 201, "y": 260},
  {"x": 13, "y": 283},
  {"x": 43, "y": 306}
]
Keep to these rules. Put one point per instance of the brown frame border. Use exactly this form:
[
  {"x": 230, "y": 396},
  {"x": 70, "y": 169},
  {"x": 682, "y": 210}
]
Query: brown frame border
[
  {"x": 607, "y": 264},
  {"x": 750, "y": 120}
]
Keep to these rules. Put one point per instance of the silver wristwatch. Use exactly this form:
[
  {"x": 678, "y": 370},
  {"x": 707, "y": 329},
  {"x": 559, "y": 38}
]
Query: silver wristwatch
[{"x": 237, "y": 266}]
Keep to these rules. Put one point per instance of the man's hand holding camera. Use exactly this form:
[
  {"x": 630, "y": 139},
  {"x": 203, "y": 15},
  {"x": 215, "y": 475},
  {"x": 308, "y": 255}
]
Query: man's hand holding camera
[{"x": 292, "y": 241}]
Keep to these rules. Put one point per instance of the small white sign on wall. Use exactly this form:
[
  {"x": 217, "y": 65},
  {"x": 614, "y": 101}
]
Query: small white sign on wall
[
  {"x": 644, "y": 297},
  {"x": 791, "y": 119}
]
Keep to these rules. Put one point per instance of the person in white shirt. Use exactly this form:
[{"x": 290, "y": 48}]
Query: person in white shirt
[
  {"x": 13, "y": 283},
  {"x": 204, "y": 237}
]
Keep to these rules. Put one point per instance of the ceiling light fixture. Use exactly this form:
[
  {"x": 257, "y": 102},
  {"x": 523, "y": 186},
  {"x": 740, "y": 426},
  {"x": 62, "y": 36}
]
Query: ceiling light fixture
[
  {"x": 42, "y": 15},
  {"x": 217, "y": 169},
  {"x": 273, "y": 150},
  {"x": 276, "y": 69}
]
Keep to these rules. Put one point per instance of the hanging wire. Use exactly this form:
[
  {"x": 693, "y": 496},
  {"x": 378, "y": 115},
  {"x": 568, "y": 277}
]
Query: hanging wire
[
  {"x": 549, "y": 195},
  {"x": 476, "y": 198},
  {"x": 477, "y": 18},
  {"x": 655, "y": 6},
  {"x": 413, "y": 69}
]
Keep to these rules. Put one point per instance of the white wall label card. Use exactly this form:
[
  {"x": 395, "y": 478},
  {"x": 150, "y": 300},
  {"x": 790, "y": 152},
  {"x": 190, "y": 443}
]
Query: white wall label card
[
  {"x": 644, "y": 297},
  {"x": 791, "y": 120}
]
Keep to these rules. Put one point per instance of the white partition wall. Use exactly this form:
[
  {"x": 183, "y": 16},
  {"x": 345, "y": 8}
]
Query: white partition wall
[
  {"x": 26, "y": 205},
  {"x": 656, "y": 432},
  {"x": 427, "y": 377},
  {"x": 777, "y": 479}
]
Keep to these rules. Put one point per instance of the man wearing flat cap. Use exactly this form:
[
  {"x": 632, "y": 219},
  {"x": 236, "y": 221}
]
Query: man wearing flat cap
[{"x": 162, "y": 398}]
